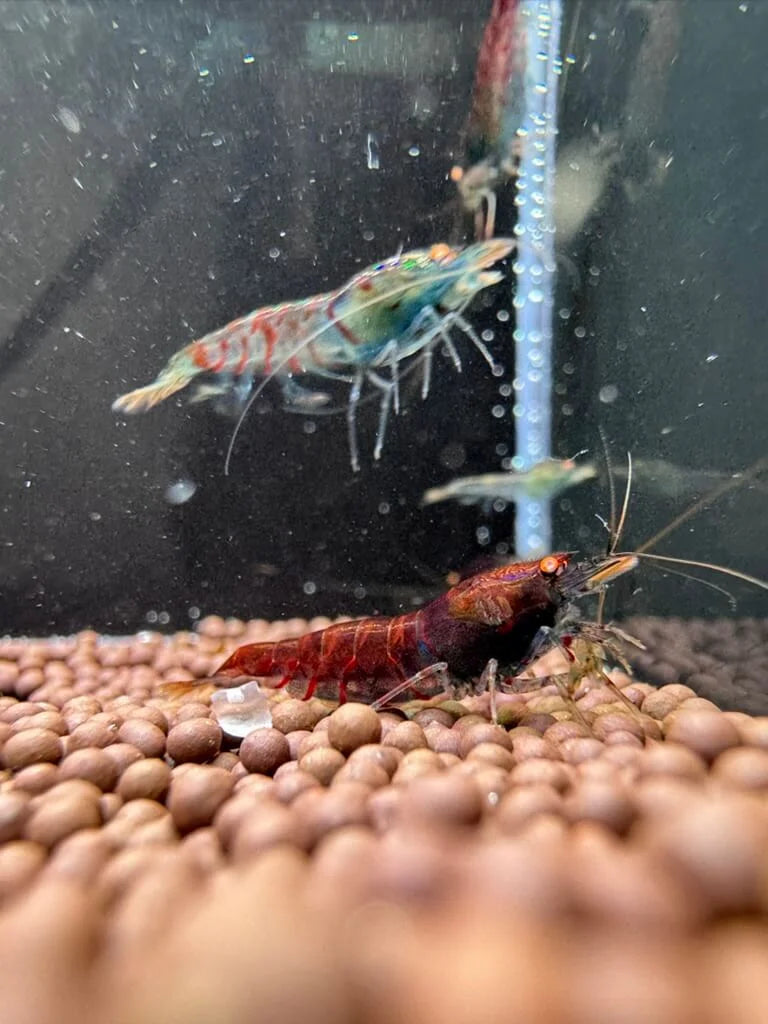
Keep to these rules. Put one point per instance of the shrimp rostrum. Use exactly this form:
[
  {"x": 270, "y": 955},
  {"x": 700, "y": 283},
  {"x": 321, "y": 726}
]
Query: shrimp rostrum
[{"x": 358, "y": 334}]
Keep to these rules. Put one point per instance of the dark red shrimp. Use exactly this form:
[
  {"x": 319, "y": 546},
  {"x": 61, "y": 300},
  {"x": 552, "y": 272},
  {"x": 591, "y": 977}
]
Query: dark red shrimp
[{"x": 491, "y": 616}]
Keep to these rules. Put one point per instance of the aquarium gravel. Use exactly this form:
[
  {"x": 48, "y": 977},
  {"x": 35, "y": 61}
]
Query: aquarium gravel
[{"x": 347, "y": 864}]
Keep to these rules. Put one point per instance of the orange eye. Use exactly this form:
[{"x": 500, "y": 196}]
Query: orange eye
[
  {"x": 440, "y": 251},
  {"x": 550, "y": 566}
]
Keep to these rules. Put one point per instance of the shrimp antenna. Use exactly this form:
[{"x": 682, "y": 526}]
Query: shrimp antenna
[
  {"x": 754, "y": 470},
  {"x": 698, "y": 579},
  {"x": 611, "y": 485},
  {"x": 735, "y": 573},
  {"x": 445, "y": 275}
]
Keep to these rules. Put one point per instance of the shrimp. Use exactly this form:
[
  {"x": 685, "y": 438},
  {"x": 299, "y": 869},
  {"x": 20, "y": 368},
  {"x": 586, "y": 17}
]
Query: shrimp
[
  {"x": 384, "y": 314},
  {"x": 490, "y": 619},
  {"x": 477, "y": 636},
  {"x": 492, "y": 142}
]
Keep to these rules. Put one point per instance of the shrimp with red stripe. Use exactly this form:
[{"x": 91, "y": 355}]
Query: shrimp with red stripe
[
  {"x": 384, "y": 314},
  {"x": 478, "y": 635}
]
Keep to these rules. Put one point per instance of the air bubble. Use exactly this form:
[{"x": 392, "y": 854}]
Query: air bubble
[
  {"x": 309, "y": 588},
  {"x": 483, "y": 535},
  {"x": 94, "y": 516},
  {"x": 497, "y": 411},
  {"x": 249, "y": 59},
  {"x": 193, "y": 612},
  {"x": 274, "y": 253},
  {"x": 580, "y": 332},
  {"x": 414, "y": 151},
  {"x": 383, "y": 508},
  {"x": 180, "y": 491},
  {"x": 608, "y": 394},
  {"x": 503, "y": 316}
]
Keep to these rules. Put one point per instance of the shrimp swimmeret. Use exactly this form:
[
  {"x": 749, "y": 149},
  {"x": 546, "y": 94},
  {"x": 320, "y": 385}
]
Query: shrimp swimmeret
[{"x": 382, "y": 315}]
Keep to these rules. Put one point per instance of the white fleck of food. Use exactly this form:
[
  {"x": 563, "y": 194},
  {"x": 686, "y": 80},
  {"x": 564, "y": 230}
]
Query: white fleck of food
[{"x": 241, "y": 709}]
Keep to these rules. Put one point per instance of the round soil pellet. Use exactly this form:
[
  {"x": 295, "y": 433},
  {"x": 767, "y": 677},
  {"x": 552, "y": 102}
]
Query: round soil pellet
[
  {"x": 441, "y": 739},
  {"x": 55, "y": 819},
  {"x": 144, "y": 735},
  {"x": 483, "y": 732},
  {"x": 123, "y": 754},
  {"x": 14, "y": 811},
  {"x": 20, "y": 861},
  {"x": 387, "y": 758},
  {"x": 148, "y": 779},
  {"x": 602, "y": 802},
  {"x": 42, "y": 720},
  {"x": 92, "y": 734},
  {"x": 37, "y": 778},
  {"x": 264, "y": 750},
  {"x": 448, "y": 799},
  {"x": 31, "y": 747},
  {"x": 665, "y": 700},
  {"x": 323, "y": 763},
  {"x": 491, "y": 754},
  {"x": 521, "y": 804},
  {"x": 707, "y": 733},
  {"x": 670, "y": 759},
  {"x": 288, "y": 787},
  {"x": 197, "y": 739},
  {"x": 352, "y": 726},
  {"x": 153, "y": 715},
  {"x": 195, "y": 797},
  {"x": 406, "y": 736},
  {"x": 91, "y": 764},
  {"x": 743, "y": 767},
  {"x": 291, "y": 715}
]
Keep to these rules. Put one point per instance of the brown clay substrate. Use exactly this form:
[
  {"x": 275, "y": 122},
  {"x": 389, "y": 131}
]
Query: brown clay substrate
[
  {"x": 346, "y": 865},
  {"x": 725, "y": 660}
]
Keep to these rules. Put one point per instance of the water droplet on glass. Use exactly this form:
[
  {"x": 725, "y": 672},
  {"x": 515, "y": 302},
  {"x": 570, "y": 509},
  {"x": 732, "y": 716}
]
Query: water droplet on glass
[
  {"x": 352, "y": 37},
  {"x": 69, "y": 120},
  {"x": 309, "y": 588},
  {"x": 204, "y": 72},
  {"x": 536, "y": 295},
  {"x": 241, "y": 709},
  {"x": 414, "y": 151},
  {"x": 274, "y": 253},
  {"x": 218, "y": 141},
  {"x": 711, "y": 358},
  {"x": 368, "y": 236},
  {"x": 503, "y": 316},
  {"x": 193, "y": 612},
  {"x": 383, "y": 508},
  {"x": 163, "y": 618},
  {"x": 580, "y": 332},
  {"x": 487, "y": 335},
  {"x": 608, "y": 394},
  {"x": 249, "y": 58},
  {"x": 179, "y": 492},
  {"x": 497, "y": 411},
  {"x": 151, "y": 617}
]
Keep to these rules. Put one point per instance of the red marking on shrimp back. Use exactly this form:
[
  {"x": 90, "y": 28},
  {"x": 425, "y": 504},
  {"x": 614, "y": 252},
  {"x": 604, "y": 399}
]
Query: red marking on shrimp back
[
  {"x": 270, "y": 338},
  {"x": 200, "y": 355},
  {"x": 365, "y": 286},
  {"x": 221, "y": 362},
  {"x": 244, "y": 353}
]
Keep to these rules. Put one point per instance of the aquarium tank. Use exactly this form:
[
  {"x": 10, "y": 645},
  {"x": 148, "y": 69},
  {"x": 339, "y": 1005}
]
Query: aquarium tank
[{"x": 445, "y": 317}]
